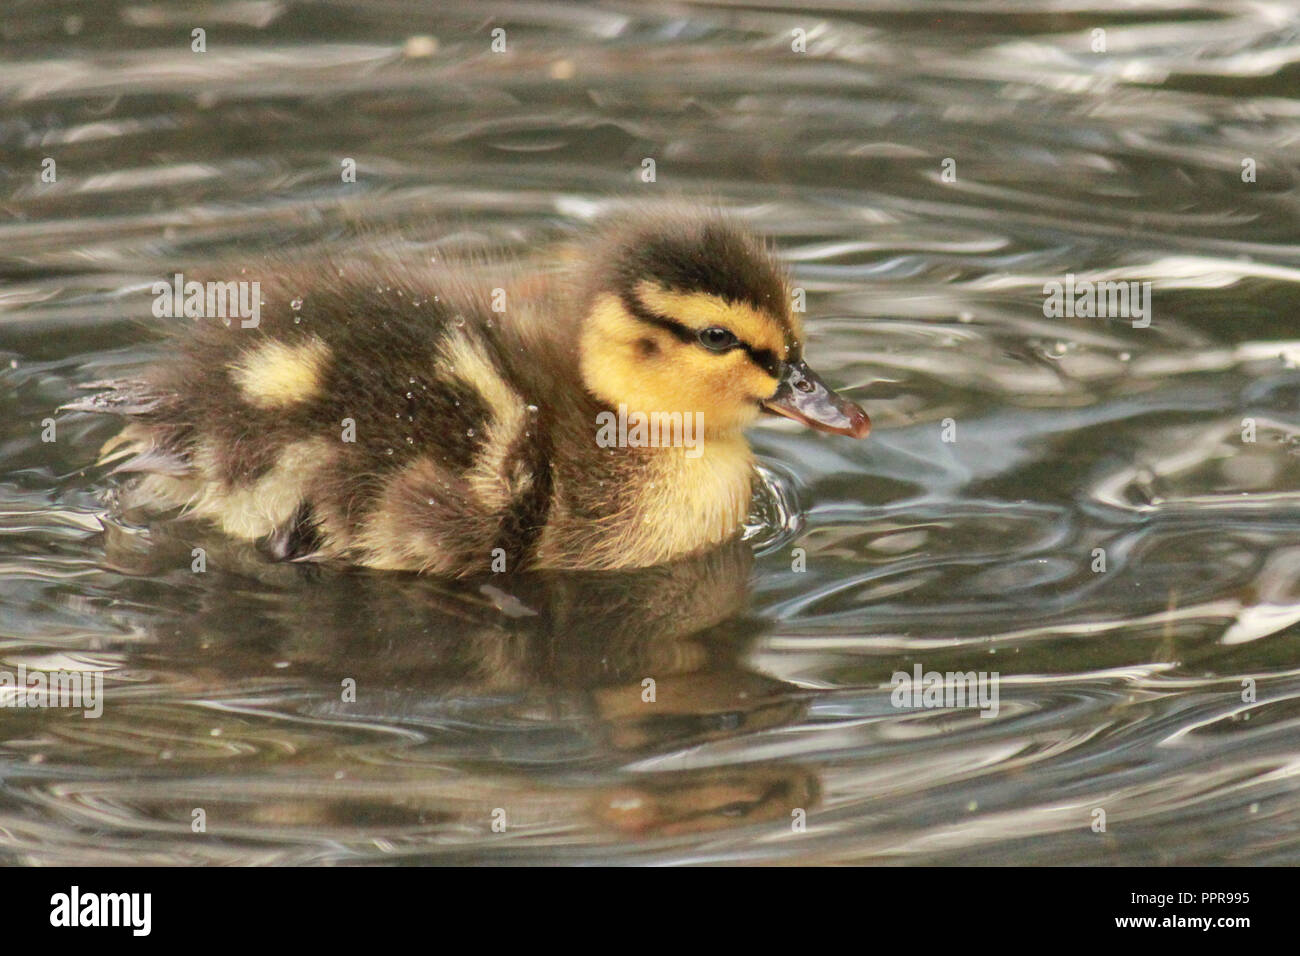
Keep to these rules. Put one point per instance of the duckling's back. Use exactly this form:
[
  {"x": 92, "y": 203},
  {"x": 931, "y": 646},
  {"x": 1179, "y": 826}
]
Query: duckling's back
[{"x": 377, "y": 412}]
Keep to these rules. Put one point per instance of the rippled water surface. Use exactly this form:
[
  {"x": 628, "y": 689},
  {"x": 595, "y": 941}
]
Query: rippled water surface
[{"x": 1163, "y": 690}]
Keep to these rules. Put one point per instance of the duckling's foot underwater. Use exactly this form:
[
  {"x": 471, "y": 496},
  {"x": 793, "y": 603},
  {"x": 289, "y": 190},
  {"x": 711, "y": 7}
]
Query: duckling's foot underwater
[{"x": 447, "y": 417}]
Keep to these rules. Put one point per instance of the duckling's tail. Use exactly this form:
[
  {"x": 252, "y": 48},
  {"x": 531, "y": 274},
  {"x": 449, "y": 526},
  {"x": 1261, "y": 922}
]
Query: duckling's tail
[
  {"x": 129, "y": 399},
  {"x": 141, "y": 447}
]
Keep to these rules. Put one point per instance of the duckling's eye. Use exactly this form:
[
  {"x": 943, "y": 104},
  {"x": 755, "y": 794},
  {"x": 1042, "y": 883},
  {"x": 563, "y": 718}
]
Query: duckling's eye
[{"x": 717, "y": 339}]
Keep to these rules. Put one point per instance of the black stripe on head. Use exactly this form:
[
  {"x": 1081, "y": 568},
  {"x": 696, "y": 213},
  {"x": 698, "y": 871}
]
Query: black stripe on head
[
  {"x": 765, "y": 359},
  {"x": 638, "y": 310},
  {"x": 714, "y": 257}
]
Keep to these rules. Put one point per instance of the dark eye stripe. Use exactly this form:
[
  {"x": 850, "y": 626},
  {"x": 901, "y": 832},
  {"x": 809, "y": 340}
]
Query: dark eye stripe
[
  {"x": 765, "y": 359},
  {"x": 637, "y": 309}
]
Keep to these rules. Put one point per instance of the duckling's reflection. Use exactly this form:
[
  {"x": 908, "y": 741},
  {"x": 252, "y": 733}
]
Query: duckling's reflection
[{"x": 647, "y": 663}]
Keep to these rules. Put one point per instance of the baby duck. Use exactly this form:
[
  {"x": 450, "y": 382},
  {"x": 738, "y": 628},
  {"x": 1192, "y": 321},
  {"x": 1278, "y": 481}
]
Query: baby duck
[{"x": 463, "y": 418}]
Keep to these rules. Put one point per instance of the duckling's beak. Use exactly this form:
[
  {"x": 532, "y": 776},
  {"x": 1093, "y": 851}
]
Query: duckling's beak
[{"x": 806, "y": 398}]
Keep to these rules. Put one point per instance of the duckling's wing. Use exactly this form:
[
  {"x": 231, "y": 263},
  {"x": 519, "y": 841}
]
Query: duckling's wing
[{"x": 370, "y": 414}]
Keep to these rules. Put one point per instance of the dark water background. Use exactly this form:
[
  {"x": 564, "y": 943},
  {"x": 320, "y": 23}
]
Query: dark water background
[{"x": 1121, "y": 690}]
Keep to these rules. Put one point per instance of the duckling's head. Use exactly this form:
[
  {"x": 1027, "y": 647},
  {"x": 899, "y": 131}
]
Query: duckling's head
[{"x": 691, "y": 313}]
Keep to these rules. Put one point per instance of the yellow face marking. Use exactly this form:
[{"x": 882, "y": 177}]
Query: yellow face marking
[
  {"x": 277, "y": 374},
  {"x": 700, "y": 310},
  {"x": 674, "y": 377}
]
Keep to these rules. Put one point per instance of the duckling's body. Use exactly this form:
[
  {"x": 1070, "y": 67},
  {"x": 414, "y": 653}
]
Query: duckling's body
[{"x": 384, "y": 413}]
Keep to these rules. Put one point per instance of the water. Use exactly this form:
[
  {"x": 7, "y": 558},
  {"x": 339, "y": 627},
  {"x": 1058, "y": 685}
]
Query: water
[{"x": 1120, "y": 690}]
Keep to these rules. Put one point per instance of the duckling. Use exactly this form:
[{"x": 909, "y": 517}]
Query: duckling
[{"x": 457, "y": 418}]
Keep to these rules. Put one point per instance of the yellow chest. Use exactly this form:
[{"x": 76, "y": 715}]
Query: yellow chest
[
  {"x": 695, "y": 502},
  {"x": 683, "y": 504}
]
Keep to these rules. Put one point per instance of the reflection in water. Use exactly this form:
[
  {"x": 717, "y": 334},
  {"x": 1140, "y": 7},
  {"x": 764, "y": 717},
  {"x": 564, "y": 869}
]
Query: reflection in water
[
  {"x": 607, "y": 669},
  {"x": 1115, "y": 529}
]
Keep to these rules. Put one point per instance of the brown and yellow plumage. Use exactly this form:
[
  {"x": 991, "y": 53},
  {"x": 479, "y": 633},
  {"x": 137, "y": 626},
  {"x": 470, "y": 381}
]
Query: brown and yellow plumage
[{"x": 384, "y": 413}]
